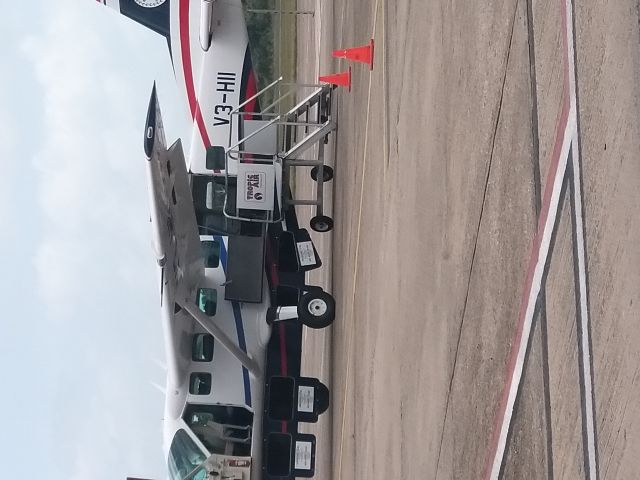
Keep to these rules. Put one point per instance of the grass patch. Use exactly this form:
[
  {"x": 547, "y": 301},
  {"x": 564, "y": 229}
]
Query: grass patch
[
  {"x": 272, "y": 40},
  {"x": 273, "y": 45}
]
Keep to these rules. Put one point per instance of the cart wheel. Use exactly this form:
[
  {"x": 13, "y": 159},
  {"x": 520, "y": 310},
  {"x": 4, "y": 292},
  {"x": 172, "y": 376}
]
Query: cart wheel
[
  {"x": 317, "y": 309},
  {"x": 321, "y": 223},
  {"x": 327, "y": 173}
]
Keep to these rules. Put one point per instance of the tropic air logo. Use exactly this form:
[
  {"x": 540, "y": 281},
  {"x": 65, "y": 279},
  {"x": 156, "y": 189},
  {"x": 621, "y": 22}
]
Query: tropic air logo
[{"x": 255, "y": 187}]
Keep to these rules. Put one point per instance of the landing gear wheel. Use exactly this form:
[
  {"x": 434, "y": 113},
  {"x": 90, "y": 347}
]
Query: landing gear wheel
[
  {"x": 317, "y": 309},
  {"x": 327, "y": 173},
  {"x": 321, "y": 223}
]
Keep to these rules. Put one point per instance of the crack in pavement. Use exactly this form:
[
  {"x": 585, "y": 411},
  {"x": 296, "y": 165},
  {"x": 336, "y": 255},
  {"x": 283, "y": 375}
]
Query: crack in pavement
[{"x": 475, "y": 246}]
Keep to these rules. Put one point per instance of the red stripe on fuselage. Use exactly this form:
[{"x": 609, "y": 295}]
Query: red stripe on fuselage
[
  {"x": 252, "y": 89},
  {"x": 185, "y": 48}
]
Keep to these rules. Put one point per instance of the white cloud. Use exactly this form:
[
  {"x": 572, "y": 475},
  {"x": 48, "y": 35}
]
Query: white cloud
[
  {"x": 95, "y": 272},
  {"x": 112, "y": 435},
  {"x": 91, "y": 170},
  {"x": 7, "y": 153}
]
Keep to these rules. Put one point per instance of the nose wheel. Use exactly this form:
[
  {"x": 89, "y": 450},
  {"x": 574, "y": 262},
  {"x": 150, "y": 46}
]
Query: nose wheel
[{"x": 317, "y": 309}]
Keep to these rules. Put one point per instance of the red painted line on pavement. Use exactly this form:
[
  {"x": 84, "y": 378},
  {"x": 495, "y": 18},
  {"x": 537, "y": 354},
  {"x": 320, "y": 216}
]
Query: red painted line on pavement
[
  {"x": 553, "y": 168},
  {"x": 561, "y": 127}
]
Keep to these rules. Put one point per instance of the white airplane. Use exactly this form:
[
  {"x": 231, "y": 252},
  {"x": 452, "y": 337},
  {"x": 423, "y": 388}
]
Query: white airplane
[{"x": 233, "y": 293}]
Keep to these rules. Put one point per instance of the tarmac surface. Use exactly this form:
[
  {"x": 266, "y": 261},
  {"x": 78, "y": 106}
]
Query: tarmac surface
[{"x": 444, "y": 163}]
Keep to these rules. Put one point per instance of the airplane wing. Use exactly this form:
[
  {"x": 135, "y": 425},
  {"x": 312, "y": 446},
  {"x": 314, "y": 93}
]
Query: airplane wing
[
  {"x": 175, "y": 237},
  {"x": 176, "y": 241},
  {"x": 178, "y": 250}
]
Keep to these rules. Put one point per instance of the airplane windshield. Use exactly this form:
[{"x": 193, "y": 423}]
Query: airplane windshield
[{"x": 184, "y": 456}]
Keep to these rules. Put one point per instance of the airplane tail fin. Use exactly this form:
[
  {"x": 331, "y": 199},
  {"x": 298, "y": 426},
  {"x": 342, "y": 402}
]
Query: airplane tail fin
[{"x": 155, "y": 15}]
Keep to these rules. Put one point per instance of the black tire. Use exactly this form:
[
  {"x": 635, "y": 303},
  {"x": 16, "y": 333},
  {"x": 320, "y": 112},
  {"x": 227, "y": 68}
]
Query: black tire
[
  {"x": 321, "y": 223},
  {"x": 317, "y": 309},
  {"x": 327, "y": 173},
  {"x": 322, "y": 397}
]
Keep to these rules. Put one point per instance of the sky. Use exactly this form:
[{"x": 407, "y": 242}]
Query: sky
[{"x": 80, "y": 333}]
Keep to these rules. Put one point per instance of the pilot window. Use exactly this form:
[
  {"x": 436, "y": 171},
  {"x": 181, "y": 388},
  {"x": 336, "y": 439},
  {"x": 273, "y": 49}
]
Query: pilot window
[
  {"x": 211, "y": 253},
  {"x": 202, "y": 348},
  {"x": 184, "y": 456},
  {"x": 200, "y": 384},
  {"x": 207, "y": 300},
  {"x": 201, "y": 474}
]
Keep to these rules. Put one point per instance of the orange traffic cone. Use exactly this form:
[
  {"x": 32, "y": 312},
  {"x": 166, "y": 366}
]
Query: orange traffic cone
[
  {"x": 362, "y": 54},
  {"x": 342, "y": 79}
]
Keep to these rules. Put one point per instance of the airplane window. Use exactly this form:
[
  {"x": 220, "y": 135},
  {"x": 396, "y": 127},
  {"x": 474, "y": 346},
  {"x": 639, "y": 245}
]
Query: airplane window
[
  {"x": 207, "y": 300},
  {"x": 202, "y": 348},
  {"x": 215, "y": 196},
  {"x": 200, "y": 384},
  {"x": 201, "y": 475},
  {"x": 215, "y": 159},
  {"x": 211, "y": 251},
  {"x": 184, "y": 456}
]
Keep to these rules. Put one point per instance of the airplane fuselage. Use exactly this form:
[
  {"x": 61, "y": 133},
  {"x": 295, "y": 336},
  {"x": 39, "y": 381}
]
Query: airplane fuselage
[{"x": 220, "y": 279}]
